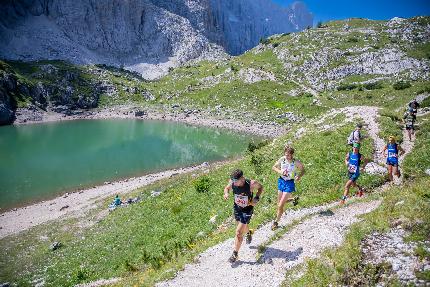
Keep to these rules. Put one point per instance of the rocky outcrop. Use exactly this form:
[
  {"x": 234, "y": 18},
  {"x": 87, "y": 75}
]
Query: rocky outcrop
[
  {"x": 7, "y": 105},
  {"x": 243, "y": 23},
  {"x": 147, "y": 36}
]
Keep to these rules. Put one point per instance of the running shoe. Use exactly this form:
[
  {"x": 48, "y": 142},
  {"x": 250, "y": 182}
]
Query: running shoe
[
  {"x": 342, "y": 201},
  {"x": 296, "y": 200},
  {"x": 275, "y": 225},
  {"x": 233, "y": 257},
  {"x": 249, "y": 236}
]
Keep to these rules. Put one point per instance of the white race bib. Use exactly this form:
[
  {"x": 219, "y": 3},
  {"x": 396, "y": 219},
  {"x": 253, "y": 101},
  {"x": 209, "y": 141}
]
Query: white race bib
[
  {"x": 352, "y": 168},
  {"x": 289, "y": 168},
  {"x": 392, "y": 154},
  {"x": 241, "y": 200}
]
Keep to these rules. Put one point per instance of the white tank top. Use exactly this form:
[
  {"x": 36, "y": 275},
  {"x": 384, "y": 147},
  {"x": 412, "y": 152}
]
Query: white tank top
[{"x": 289, "y": 167}]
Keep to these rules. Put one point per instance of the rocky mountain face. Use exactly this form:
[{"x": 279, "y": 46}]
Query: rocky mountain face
[
  {"x": 243, "y": 23},
  {"x": 147, "y": 36},
  {"x": 341, "y": 63}
]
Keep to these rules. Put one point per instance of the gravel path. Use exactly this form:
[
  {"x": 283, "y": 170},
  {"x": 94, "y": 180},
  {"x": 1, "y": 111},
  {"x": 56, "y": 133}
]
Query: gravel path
[{"x": 306, "y": 240}]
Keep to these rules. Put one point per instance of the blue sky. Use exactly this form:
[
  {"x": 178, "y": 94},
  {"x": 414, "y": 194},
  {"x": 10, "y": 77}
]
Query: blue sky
[{"x": 325, "y": 10}]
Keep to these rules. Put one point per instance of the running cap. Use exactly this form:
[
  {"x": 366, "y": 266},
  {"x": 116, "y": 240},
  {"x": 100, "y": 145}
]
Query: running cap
[
  {"x": 236, "y": 175},
  {"x": 359, "y": 125},
  {"x": 357, "y": 145}
]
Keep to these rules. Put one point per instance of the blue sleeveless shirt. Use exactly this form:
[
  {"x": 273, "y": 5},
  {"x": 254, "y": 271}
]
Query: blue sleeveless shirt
[{"x": 354, "y": 163}]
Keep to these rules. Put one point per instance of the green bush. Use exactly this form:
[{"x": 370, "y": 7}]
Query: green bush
[
  {"x": 202, "y": 184},
  {"x": 346, "y": 87},
  {"x": 257, "y": 162},
  {"x": 373, "y": 86},
  {"x": 252, "y": 146},
  {"x": 401, "y": 85},
  {"x": 264, "y": 41},
  {"x": 352, "y": 40}
]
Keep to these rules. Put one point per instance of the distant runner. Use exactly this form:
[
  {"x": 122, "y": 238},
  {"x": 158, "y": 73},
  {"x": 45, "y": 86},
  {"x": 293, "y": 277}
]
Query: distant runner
[
  {"x": 287, "y": 167},
  {"x": 409, "y": 119},
  {"x": 413, "y": 107},
  {"x": 353, "y": 160},
  {"x": 355, "y": 136},
  {"x": 393, "y": 150},
  {"x": 244, "y": 201}
]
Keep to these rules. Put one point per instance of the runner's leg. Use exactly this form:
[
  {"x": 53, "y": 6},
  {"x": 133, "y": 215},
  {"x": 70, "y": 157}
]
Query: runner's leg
[
  {"x": 390, "y": 172},
  {"x": 285, "y": 196},
  {"x": 240, "y": 230}
]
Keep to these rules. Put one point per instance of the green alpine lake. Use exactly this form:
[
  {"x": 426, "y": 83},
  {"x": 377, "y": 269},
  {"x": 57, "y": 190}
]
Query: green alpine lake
[{"x": 40, "y": 161}]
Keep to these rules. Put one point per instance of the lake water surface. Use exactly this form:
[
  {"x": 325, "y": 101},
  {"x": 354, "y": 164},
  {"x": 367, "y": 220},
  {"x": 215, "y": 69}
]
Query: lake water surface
[{"x": 40, "y": 161}]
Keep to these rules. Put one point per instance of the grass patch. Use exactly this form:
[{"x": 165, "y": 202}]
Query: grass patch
[
  {"x": 390, "y": 124},
  {"x": 418, "y": 161}
]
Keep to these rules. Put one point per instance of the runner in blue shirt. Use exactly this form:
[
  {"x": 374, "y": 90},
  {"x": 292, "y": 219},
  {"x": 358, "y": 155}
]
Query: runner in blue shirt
[
  {"x": 353, "y": 161},
  {"x": 393, "y": 149}
]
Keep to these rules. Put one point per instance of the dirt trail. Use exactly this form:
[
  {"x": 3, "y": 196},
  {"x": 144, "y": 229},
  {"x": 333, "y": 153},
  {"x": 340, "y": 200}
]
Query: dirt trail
[{"x": 306, "y": 240}]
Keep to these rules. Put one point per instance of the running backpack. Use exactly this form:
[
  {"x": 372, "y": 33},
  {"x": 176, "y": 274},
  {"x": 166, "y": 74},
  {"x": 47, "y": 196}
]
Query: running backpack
[{"x": 350, "y": 140}]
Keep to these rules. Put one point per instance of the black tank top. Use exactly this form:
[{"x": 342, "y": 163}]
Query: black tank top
[{"x": 243, "y": 190}]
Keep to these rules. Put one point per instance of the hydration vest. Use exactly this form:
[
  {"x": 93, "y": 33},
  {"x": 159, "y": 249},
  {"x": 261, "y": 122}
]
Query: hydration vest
[
  {"x": 242, "y": 194},
  {"x": 354, "y": 163}
]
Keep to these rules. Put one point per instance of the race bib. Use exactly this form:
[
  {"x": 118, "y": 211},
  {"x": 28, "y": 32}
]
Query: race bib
[
  {"x": 352, "y": 168},
  {"x": 392, "y": 154},
  {"x": 241, "y": 200},
  {"x": 290, "y": 171}
]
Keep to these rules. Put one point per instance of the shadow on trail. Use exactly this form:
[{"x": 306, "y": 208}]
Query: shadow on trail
[
  {"x": 327, "y": 212},
  {"x": 272, "y": 253}
]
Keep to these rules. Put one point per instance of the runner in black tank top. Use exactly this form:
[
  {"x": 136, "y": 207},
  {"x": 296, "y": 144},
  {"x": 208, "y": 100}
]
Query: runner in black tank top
[{"x": 244, "y": 202}]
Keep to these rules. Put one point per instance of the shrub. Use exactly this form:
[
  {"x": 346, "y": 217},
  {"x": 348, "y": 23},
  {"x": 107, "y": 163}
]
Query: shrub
[
  {"x": 264, "y": 41},
  {"x": 401, "y": 85},
  {"x": 352, "y": 40},
  {"x": 373, "y": 86},
  {"x": 257, "y": 161},
  {"x": 202, "y": 184},
  {"x": 346, "y": 87},
  {"x": 252, "y": 146},
  {"x": 275, "y": 45}
]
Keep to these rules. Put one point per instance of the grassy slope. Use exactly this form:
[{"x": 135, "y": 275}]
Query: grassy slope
[{"x": 342, "y": 266}]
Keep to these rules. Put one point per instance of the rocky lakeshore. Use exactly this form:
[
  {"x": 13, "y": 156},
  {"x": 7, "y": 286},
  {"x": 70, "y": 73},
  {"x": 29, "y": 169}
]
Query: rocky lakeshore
[{"x": 193, "y": 117}]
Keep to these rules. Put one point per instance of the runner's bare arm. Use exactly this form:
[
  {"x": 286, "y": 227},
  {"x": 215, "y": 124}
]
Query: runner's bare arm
[
  {"x": 383, "y": 151},
  {"x": 256, "y": 185},
  {"x": 347, "y": 159},
  {"x": 402, "y": 151},
  {"x": 301, "y": 168},
  {"x": 277, "y": 167},
  {"x": 227, "y": 189}
]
